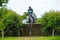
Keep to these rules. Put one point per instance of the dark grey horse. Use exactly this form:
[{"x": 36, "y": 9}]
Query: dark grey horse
[{"x": 30, "y": 22}]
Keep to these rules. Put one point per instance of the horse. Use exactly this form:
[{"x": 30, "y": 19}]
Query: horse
[{"x": 31, "y": 19}]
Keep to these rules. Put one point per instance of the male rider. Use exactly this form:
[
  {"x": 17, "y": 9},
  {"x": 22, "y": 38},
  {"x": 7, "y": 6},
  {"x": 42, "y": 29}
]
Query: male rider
[{"x": 30, "y": 12}]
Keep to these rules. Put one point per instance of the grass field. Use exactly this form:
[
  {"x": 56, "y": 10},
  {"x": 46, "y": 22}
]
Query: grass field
[{"x": 33, "y": 38}]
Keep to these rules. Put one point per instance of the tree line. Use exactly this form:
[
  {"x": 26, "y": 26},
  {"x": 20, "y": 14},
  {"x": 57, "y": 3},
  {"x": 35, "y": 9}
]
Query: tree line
[
  {"x": 10, "y": 21},
  {"x": 50, "y": 22}
]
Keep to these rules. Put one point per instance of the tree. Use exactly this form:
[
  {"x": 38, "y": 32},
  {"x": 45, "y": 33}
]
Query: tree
[
  {"x": 12, "y": 21},
  {"x": 50, "y": 21},
  {"x": 3, "y": 1},
  {"x": 2, "y": 27}
]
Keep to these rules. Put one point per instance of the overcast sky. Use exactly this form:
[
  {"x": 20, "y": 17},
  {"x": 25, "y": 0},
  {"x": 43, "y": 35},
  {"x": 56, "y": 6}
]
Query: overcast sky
[{"x": 39, "y": 6}]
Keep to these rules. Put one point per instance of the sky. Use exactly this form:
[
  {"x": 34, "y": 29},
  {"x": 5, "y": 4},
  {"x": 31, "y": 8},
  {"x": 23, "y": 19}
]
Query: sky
[{"x": 39, "y": 6}]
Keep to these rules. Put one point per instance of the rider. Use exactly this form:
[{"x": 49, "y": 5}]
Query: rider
[{"x": 30, "y": 11}]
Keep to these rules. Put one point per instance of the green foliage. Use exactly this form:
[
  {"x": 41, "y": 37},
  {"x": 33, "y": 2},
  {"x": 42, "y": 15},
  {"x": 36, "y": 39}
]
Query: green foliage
[
  {"x": 38, "y": 20},
  {"x": 2, "y": 26},
  {"x": 3, "y": 12},
  {"x": 11, "y": 20},
  {"x": 24, "y": 15},
  {"x": 51, "y": 19},
  {"x": 2, "y": 18},
  {"x": 4, "y": 1}
]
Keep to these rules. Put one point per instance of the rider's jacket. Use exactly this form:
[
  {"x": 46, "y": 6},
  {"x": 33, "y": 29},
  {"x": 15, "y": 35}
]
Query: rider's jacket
[{"x": 30, "y": 11}]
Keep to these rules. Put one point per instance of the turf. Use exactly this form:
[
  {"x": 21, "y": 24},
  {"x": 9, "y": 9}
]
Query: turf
[{"x": 33, "y": 38}]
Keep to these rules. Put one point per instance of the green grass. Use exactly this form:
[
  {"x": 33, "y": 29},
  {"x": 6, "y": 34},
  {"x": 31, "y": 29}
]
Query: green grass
[{"x": 33, "y": 38}]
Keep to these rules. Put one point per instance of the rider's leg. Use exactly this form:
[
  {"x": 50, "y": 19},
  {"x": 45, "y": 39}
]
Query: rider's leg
[{"x": 33, "y": 19}]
